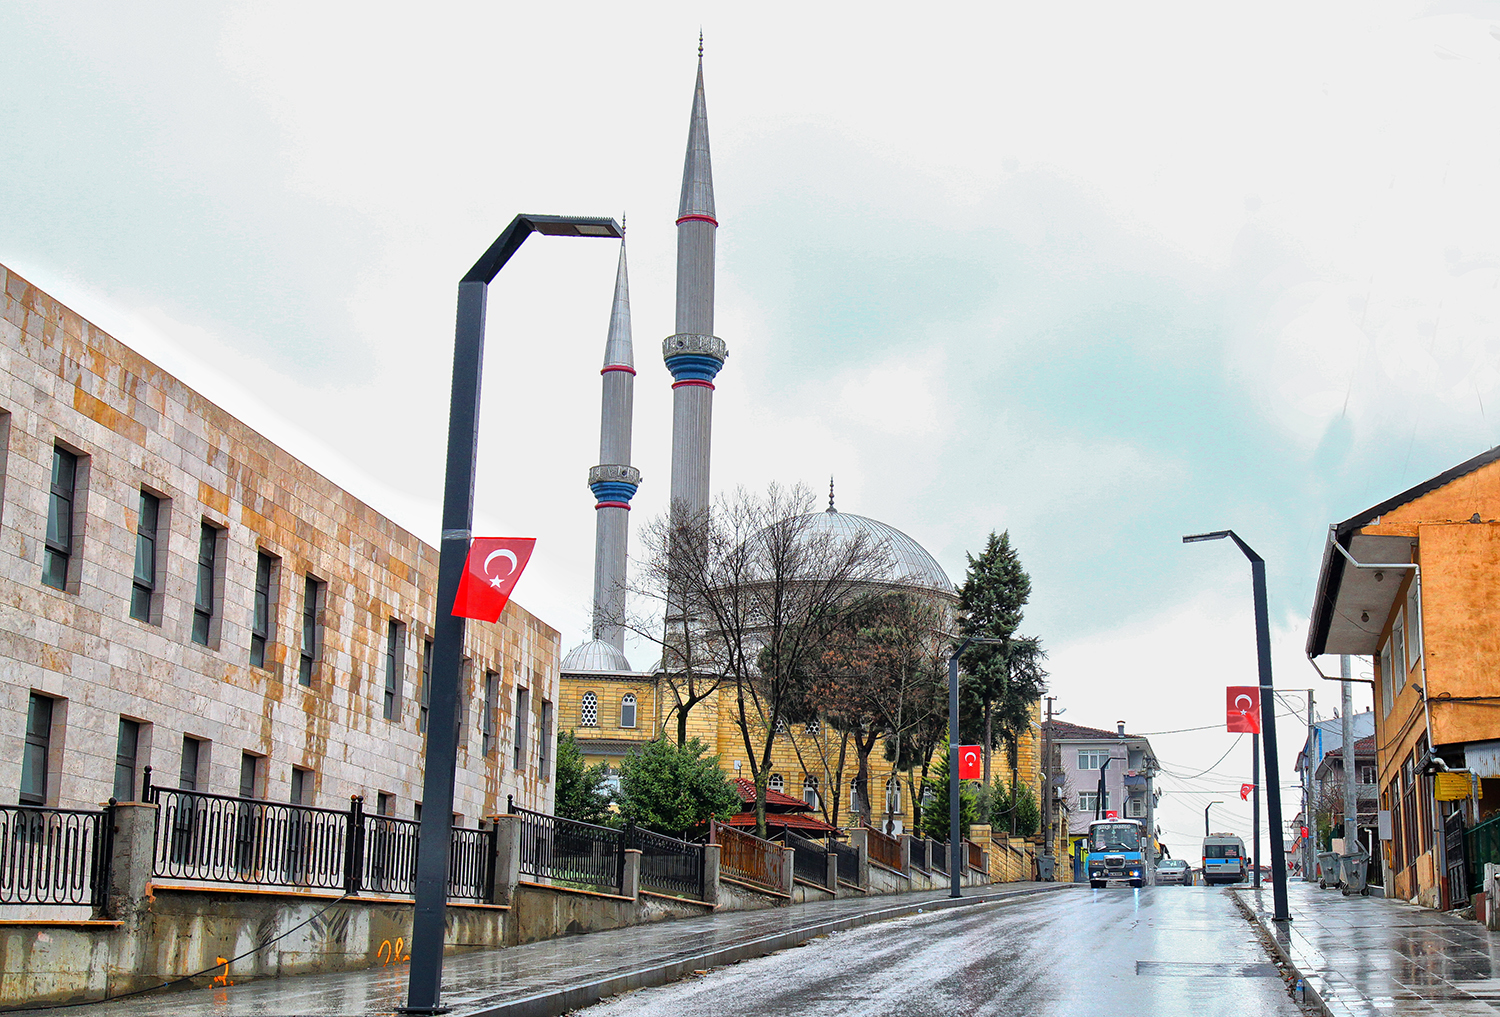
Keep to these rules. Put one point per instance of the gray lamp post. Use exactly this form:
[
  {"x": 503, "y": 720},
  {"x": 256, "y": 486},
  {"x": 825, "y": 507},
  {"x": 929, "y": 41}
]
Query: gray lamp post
[
  {"x": 1267, "y": 718},
  {"x": 955, "y": 840},
  {"x": 1205, "y": 815},
  {"x": 424, "y": 986}
]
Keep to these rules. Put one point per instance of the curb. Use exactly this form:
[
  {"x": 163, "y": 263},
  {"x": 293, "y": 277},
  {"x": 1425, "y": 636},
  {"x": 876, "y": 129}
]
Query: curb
[
  {"x": 554, "y": 1002},
  {"x": 1311, "y": 994}
]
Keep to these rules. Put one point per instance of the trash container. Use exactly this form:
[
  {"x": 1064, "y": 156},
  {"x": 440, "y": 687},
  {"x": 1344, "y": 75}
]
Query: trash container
[
  {"x": 1328, "y": 869},
  {"x": 1355, "y": 867}
]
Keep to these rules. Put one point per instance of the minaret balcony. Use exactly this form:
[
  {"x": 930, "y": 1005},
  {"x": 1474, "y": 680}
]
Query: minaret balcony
[
  {"x": 614, "y": 485},
  {"x": 694, "y": 357}
]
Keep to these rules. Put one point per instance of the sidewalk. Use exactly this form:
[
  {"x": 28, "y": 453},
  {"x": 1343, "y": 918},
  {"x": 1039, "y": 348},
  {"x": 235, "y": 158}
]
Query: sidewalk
[
  {"x": 1364, "y": 955},
  {"x": 551, "y": 977}
]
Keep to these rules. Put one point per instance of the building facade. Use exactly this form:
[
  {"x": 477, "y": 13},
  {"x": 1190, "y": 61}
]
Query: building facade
[
  {"x": 1412, "y": 584},
  {"x": 177, "y": 592},
  {"x": 1129, "y": 770}
]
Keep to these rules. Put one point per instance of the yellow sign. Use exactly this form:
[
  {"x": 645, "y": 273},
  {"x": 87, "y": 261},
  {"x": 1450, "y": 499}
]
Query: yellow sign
[{"x": 1453, "y": 787}]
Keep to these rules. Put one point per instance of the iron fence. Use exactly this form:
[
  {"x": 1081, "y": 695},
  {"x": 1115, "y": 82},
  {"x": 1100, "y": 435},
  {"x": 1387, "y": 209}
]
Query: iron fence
[
  {"x": 884, "y": 849},
  {"x": 54, "y": 856},
  {"x": 919, "y": 859},
  {"x": 208, "y": 838},
  {"x": 809, "y": 859},
  {"x": 976, "y": 855},
  {"x": 848, "y": 862},
  {"x": 1482, "y": 844},
  {"x": 668, "y": 865},
  {"x": 565, "y": 850},
  {"x": 747, "y": 857},
  {"x": 940, "y": 856}
]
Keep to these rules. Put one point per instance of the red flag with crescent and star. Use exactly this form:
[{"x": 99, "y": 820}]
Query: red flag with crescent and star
[
  {"x": 1243, "y": 709},
  {"x": 1245, "y": 791},
  {"x": 490, "y": 573},
  {"x": 971, "y": 762}
]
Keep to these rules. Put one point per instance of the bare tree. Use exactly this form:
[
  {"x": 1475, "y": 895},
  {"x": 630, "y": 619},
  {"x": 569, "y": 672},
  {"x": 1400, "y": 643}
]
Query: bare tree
[{"x": 758, "y": 584}]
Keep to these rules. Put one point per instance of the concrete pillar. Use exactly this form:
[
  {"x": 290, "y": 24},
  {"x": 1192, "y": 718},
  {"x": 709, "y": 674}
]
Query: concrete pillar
[
  {"x": 132, "y": 861},
  {"x": 711, "y": 874},
  {"x": 906, "y": 854},
  {"x": 833, "y": 873},
  {"x": 984, "y": 865},
  {"x": 1491, "y": 901},
  {"x": 860, "y": 841},
  {"x": 630, "y": 881},
  {"x": 507, "y": 857},
  {"x": 789, "y": 867}
]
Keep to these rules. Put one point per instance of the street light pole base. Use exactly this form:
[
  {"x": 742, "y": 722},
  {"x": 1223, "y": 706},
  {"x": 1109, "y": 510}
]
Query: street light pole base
[{"x": 423, "y": 1011}]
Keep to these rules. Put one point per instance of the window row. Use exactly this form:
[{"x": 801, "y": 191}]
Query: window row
[{"x": 588, "y": 710}]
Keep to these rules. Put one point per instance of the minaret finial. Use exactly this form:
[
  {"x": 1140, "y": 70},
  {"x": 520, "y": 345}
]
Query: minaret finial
[
  {"x": 830, "y": 494},
  {"x": 622, "y": 225},
  {"x": 700, "y": 43}
]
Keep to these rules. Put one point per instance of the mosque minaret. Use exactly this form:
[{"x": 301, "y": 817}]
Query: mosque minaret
[{"x": 694, "y": 354}]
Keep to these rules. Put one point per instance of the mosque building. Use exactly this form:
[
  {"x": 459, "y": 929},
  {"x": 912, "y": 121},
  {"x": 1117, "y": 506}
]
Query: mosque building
[{"x": 612, "y": 708}]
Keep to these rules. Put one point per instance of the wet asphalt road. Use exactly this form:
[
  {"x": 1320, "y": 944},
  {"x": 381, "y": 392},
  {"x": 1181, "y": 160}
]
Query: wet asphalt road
[{"x": 1158, "y": 951}]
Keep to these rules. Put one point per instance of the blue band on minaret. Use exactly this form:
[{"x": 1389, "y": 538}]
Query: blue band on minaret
[
  {"x": 613, "y": 490},
  {"x": 694, "y": 367}
]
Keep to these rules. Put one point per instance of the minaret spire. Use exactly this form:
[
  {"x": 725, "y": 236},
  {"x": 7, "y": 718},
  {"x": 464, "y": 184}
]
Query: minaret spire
[{"x": 614, "y": 480}]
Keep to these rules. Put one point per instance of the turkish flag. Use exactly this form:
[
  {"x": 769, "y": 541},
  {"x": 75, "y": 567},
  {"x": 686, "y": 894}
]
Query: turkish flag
[
  {"x": 971, "y": 762},
  {"x": 490, "y": 573},
  {"x": 1245, "y": 790},
  {"x": 1112, "y": 814},
  {"x": 1243, "y": 708}
]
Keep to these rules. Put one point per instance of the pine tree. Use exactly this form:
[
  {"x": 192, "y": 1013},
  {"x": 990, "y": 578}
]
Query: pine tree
[
  {"x": 936, "y": 816},
  {"x": 673, "y": 788},
  {"x": 581, "y": 793}
]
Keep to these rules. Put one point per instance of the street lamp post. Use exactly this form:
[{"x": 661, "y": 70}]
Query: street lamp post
[
  {"x": 424, "y": 986},
  {"x": 1267, "y": 718},
  {"x": 955, "y": 841},
  {"x": 1205, "y": 816}
]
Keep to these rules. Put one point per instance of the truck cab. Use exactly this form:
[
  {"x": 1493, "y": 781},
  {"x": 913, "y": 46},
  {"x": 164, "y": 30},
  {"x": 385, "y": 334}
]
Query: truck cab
[{"x": 1116, "y": 851}]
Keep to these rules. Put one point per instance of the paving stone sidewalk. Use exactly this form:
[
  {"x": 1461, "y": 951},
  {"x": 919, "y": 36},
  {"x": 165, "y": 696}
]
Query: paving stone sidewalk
[
  {"x": 552, "y": 977},
  {"x": 1367, "y": 956}
]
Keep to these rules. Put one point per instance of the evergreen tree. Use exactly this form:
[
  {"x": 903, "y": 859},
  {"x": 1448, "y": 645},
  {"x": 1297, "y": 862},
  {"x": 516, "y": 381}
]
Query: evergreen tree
[
  {"x": 935, "y": 816},
  {"x": 673, "y": 788},
  {"x": 581, "y": 792}
]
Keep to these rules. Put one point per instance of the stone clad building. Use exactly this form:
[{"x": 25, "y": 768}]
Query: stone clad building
[{"x": 178, "y": 592}]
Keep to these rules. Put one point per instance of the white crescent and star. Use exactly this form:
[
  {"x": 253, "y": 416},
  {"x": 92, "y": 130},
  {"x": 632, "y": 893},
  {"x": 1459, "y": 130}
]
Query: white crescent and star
[
  {"x": 1245, "y": 699},
  {"x": 497, "y": 581}
]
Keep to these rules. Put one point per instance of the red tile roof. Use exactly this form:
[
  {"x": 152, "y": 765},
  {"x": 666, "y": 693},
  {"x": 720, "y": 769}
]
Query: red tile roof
[
  {"x": 1061, "y": 729},
  {"x": 775, "y": 800},
  {"x": 790, "y": 820}
]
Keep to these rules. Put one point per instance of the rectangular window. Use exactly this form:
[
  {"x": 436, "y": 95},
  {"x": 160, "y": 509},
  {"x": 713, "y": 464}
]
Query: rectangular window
[
  {"x": 263, "y": 620},
  {"x": 313, "y": 597},
  {"x": 487, "y": 717},
  {"x": 523, "y": 710},
  {"x": 385, "y": 804},
  {"x": 126, "y": 747},
  {"x": 395, "y": 668},
  {"x": 1398, "y": 651},
  {"x": 302, "y": 786},
  {"x": 1387, "y": 680},
  {"x": 426, "y": 685},
  {"x": 192, "y": 753},
  {"x": 1088, "y": 802},
  {"x": 544, "y": 758},
  {"x": 207, "y": 585},
  {"x": 143, "y": 582},
  {"x": 1092, "y": 759},
  {"x": 461, "y": 704},
  {"x": 1367, "y": 775},
  {"x": 35, "y": 755},
  {"x": 59, "y": 546},
  {"x": 1413, "y": 628},
  {"x": 249, "y": 774}
]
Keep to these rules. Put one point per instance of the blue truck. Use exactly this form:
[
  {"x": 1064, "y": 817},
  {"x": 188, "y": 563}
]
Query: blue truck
[{"x": 1116, "y": 852}]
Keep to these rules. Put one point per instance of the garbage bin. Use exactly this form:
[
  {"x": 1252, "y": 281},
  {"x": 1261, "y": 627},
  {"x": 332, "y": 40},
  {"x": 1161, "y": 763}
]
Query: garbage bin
[
  {"x": 1355, "y": 867},
  {"x": 1328, "y": 869}
]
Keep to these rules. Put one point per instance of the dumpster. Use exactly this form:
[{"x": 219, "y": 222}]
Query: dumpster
[
  {"x": 1328, "y": 869},
  {"x": 1355, "y": 867}
]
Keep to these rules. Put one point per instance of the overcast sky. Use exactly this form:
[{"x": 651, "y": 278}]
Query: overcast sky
[{"x": 1098, "y": 275}]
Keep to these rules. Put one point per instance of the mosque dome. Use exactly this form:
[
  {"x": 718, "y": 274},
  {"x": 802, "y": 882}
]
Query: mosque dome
[
  {"x": 910, "y": 564},
  {"x": 595, "y": 655}
]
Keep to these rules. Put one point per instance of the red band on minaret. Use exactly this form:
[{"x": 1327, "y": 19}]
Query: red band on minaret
[
  {"x": 617, "y": 367},
  {"x": 699, "y": 384},
  {"x": 613, "y": 504},
  {"x": 697, "y": 217}
]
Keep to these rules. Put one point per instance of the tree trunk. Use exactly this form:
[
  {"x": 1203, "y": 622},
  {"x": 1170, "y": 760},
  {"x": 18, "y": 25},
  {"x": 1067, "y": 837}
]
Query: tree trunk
[
  {"x": 682, "y": 719},
  {"x": 989, "y": 735}
]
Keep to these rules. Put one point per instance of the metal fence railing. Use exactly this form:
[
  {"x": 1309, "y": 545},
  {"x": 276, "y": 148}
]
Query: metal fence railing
[
  {"x": 809, "y": 859},
  {"x": 1482, "y": 844},
  {"x": 919, "y": 858},
  {"x": 848, "y": 862},
  {"x": 668, "y": 865},
  {"x": 567, "y": 851},
  {"x": 747, "y": 857},
  {"x": 209, "y": 838},
  {"x": 976, "y": 855},
  {"x": 54, "y": 856},
  {"x": 884, "y": 849},
  {"x": 940, "y": 856}
]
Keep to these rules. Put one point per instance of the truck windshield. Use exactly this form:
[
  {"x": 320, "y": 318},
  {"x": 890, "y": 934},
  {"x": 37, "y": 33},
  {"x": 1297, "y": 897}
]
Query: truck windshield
[
  {"x": 1117, "y": 837},
  {"x": 1221, "y": 851}
]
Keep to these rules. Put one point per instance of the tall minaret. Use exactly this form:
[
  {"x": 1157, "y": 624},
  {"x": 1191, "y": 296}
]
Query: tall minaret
[
  {"x": 614, "y": 480},
  {"x": 694, "y": 354}
]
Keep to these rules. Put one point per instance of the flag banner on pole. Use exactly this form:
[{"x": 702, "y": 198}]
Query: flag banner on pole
[
  {"x": 971, "y": 762},
  {"x": 1245, "y": 791},
  {"x": 490, "y": 574},
  {"x": 1243, "y": 709}
]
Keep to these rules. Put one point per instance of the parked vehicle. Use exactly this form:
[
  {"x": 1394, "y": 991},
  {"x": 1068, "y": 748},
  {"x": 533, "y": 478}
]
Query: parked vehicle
[
  {"x": 1115, "y": 852},
  {"x": 1223, "y": 859},
  {"x": 1173, "y": 872}
]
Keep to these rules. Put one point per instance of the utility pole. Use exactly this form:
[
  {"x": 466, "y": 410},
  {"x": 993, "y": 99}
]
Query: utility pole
[
  {"x": 1047, "y": 788},
  {"x": 1308, "y": 796},
  {"x": 1346, "y": 706},
  {"x": 1255, "y": 811}
]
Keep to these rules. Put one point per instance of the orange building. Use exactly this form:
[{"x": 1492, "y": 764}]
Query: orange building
[{"x": 1414, "y": 583}]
